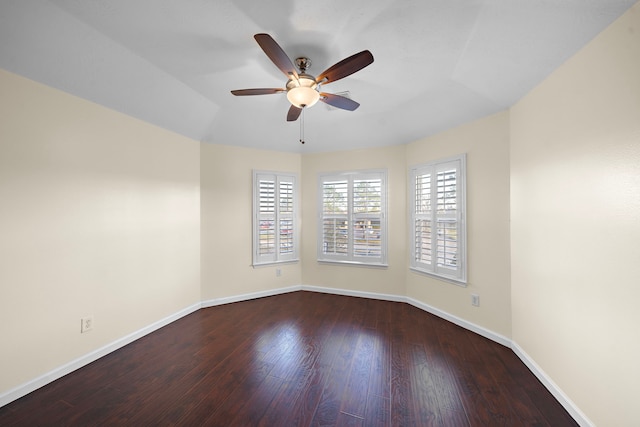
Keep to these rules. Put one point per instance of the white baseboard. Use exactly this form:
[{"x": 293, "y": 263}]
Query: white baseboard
[
  {"x": 500, "y": 339},
  {"x": 24, "y": 389},
  {"x": 349, "y": 293},
  {"x": 246, "y": 297},
  {"x": 32, "y": 385},
  {"x": 553, "y": 388}
]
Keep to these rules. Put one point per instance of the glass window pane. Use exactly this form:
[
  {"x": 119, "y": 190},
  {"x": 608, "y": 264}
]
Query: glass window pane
[
  {"x": 423, "y": 250},
  {"x": 334, "y": 197},
  {"x": 267, "y": 196},
  {"x": 367, "y": 195},
  {"x": 335, "y": 236},
  {"x": 423, "y": 194},
  {"x": 286, "y": 236},
  {"x": 286, "y": 197},
  {"x": 266, "y": 237},
  {"x": 446, "y": 191},
  {"x": 366, "y": 238},
  {"x": 447, "y": 244}
]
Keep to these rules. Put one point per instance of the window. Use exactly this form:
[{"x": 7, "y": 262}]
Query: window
[
  {"x": 352, "y": 225},
  {"x": 438, "y": 230},
  {"x": 275, "y": 218}
]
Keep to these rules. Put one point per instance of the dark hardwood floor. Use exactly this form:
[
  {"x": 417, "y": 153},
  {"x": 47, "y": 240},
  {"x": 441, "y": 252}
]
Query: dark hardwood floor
[{"x": 299, "y": 359}]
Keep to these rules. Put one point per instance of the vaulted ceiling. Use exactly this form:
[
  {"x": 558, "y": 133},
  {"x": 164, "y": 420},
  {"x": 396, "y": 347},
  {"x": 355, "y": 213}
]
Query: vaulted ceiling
[{"x": 173, "y": 63}]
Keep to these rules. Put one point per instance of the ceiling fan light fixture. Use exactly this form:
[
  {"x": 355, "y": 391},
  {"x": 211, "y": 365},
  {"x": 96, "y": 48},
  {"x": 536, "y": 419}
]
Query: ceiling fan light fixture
[{"x": 303, "y": 92}]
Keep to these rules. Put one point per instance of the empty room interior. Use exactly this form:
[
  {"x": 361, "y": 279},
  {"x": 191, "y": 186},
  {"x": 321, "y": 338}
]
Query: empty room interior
[{"x": 133, "y": 182}]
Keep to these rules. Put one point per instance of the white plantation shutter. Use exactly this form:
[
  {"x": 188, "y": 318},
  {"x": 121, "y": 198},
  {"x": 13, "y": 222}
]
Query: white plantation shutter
[
  {"x": 447, "y": 217},
  {"x": 422, "y": 218},
  {"x": 266, "y": 217},
  {"x": 367, "y": 195},
  {"x": 335, "y": 217},
  {"x": 438, "y": 230},
  {"x": 352, "y": 223},
  {"x": 275, "y": 218},
  {"x": 285, "y": 217}
]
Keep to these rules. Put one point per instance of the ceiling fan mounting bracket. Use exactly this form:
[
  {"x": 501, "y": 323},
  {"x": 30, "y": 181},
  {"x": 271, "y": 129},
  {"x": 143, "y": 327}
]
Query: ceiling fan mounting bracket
[{"x": 303, "y": 64}]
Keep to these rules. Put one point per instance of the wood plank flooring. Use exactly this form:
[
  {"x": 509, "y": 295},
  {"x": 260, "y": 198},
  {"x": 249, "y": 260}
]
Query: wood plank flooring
[{"x": 299, "y": 359}]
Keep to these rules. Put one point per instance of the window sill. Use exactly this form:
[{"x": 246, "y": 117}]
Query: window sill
[{"x": 456, "y": 282}]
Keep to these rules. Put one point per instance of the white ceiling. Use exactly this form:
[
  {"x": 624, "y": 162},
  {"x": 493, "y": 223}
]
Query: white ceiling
[{"x": 438, "y": 63}]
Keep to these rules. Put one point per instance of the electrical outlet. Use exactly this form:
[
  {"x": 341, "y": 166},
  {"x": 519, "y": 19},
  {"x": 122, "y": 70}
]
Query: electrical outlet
[
  {"x": 475, "y": 300},
  {"x": 86, "y": 324},
  {"x": 278, "y": 272}
]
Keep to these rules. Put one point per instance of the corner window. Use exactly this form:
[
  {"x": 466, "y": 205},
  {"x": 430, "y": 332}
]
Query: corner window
[
  {"x": 275, "y": 217},
  {"x": 352, "y": 219},
  {"x": 438, "y": 218}
]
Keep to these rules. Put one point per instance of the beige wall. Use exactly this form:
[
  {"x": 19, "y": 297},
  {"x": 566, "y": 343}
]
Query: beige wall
[
  {"x": 486, "y": 143},
  {"x": 226, "y": 209},
  {"x": 575, "y": 235},
  {"x": 99, "y": 215},
  {"x": 390, "y": 280}
]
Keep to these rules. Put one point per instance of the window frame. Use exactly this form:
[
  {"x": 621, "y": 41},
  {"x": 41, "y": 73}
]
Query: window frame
[
  {"x": 292, "y": 215},
  {"x": 456, "y": 275},
  {"x": 351, "y": 257}
]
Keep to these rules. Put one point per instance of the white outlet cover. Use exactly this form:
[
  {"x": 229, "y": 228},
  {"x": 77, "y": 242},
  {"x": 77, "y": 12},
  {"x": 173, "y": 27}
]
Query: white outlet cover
[
  {"x": 86, "y": 324},
  {"x": 475, "y": 300}
]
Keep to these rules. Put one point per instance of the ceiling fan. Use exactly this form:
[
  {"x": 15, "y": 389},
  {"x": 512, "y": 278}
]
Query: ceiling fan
[{"x": 303, "y": 90}]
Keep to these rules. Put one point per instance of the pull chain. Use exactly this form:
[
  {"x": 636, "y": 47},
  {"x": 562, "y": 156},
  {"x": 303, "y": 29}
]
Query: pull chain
[{"x": 302, "y": 126}]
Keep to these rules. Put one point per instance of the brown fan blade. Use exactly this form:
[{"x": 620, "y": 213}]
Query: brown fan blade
[
  {"x": 276, "y": 55},
  {"x": 294, "y": 113},
  {"x": 346, "y": 67},
  {"x": 338, "y": 101},
  {"x": 260, "y": 91}
]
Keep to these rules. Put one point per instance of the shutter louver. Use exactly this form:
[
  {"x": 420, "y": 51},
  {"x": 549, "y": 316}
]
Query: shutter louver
[
  {"x": 286, "y": 197},
  {"x": 446, "y": 191},
  {"x": 447, "y": 224},
  {"x": 447, "y": 243},
  {"x": 267, "y": 233},
  {"x": 335, "y": 224},
  {"x": 423, "y": 241},
  {"x": 422, "y": 215},
  {"x": 286, "y": 217},
  {"x": 366, "y": 226}
]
